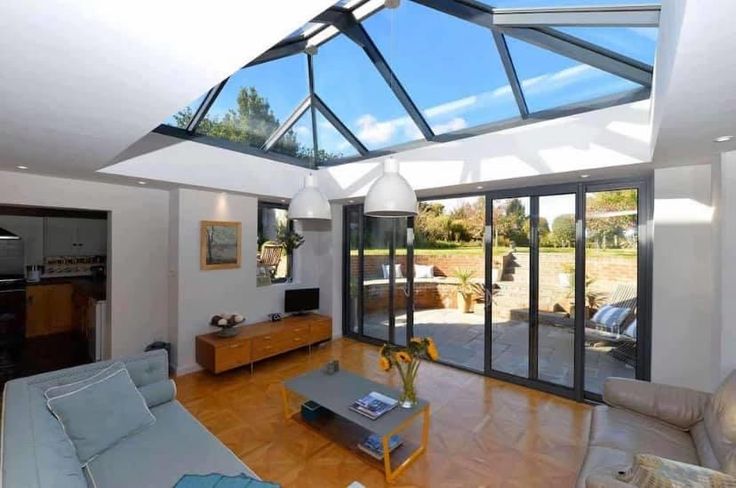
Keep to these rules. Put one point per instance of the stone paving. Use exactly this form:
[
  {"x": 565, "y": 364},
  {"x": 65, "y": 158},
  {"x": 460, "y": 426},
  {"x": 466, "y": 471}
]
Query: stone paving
[{"x": 460, "y": 339}]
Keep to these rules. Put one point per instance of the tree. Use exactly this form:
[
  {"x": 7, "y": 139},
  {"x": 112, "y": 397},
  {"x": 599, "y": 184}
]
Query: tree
[
  {"x": 563, "y": 230},
  {"x": 251, "y": 123},
  {"x": 611, "y": 218}
]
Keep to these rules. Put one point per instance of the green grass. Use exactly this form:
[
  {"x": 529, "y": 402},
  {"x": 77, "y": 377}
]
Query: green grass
[{"x": 500, "y": 251}]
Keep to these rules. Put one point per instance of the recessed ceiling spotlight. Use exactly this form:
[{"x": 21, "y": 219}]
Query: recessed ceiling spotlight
[
  {"x": 283, "y": 200},
  {"x": 141, "y": 182},
  {"x": 20, "y": 166},
  {"x": 723, "y": 139},
  {"x": 585, "y": 176},
  {"x": 351, "y": 201},
  {"x": 480, "y": 187}
]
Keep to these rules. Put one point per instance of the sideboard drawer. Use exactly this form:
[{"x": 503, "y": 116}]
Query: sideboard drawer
[
  {"x": 320, "y": 331},
  {"x": 232, "y": 355}
]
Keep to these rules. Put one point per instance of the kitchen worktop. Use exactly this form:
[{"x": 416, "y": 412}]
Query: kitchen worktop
[{"x": 94, "y": 288}]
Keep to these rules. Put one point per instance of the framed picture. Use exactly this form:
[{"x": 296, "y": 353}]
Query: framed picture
[{"x": 219, "y": 245}]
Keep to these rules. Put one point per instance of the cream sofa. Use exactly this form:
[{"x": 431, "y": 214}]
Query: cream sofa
[{"x": 675, "y": 423}]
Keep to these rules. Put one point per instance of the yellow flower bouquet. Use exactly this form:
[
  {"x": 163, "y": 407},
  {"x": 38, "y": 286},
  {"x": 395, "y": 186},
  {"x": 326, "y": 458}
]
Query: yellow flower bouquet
[{"x": 406, "y": 359}]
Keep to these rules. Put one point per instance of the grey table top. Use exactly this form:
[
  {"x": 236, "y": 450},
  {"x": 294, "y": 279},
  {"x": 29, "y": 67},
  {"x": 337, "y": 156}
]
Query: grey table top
[{"x": 338, "y": 391}]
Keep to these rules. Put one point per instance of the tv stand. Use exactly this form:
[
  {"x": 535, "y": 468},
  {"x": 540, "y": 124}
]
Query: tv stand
[{"x": 260, "y": 341}]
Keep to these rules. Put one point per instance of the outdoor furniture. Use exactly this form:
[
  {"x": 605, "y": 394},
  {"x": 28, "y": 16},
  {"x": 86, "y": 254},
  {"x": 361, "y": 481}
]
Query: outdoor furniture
[
  {"x": 270, "y": 257},
  {"x": 623, "y": 297}
]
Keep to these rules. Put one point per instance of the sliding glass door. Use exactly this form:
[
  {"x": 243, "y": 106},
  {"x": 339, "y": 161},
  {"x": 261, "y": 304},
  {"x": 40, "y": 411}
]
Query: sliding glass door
[{"x": 547, "y": 287}]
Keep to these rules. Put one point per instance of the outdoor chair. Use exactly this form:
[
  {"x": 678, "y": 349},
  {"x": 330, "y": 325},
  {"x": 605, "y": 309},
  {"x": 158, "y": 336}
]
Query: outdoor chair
[
  {"x": 270, "y": 257},
  {"x": 610, "y": 323}
]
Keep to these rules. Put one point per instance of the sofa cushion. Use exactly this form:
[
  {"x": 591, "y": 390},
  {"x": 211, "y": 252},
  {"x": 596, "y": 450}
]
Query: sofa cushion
[
  {"x": 177, "y": 444},
  {"x": 158, "y": 393},
  {"x": 100, "y": 413},
  {"x": 650, "y": 471},
  {"x": 63, "y": 389},
  {"x": 604, "y": 463},
  {"x": 625, "y": 430},
  {"x": 720, "y": 424}
]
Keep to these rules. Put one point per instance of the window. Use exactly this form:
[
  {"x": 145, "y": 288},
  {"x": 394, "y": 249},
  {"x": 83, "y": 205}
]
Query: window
[
  {"x": 182, "y": 118},
  {"x": 274, "y": 260}
]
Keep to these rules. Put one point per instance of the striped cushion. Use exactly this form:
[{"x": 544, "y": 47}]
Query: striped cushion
[
  {"x": 649, "y": 471},
  {"x": 611, "y": 317}
]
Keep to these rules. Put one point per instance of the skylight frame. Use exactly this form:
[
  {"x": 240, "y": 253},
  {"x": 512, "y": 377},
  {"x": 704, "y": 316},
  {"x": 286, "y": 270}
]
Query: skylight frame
[{"x": 534, "y": 25}]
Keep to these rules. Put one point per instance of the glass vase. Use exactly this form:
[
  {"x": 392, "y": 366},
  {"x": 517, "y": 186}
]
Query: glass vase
[{"x": 408, "y": 394}]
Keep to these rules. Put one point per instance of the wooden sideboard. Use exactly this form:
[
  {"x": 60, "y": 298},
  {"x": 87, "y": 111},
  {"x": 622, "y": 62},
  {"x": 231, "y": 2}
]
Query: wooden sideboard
[{"x": 260, "y": 341}]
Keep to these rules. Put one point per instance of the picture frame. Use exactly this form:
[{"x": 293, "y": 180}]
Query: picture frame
[{"x": 220, "y": 245}]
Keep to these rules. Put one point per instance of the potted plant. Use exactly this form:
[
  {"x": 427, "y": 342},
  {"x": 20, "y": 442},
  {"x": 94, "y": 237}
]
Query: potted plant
[
  {"x": 407, "y": 359},
  {"x": 291, "y": 241},
  {"x": 465, "y": 289}
]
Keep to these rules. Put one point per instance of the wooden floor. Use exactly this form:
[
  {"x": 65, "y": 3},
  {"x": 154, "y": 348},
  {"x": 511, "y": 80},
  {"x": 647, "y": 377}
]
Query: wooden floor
[{"x": 484, "y": 432}]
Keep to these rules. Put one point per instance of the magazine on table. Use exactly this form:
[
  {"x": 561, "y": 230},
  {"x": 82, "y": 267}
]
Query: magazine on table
[
  {"x": 373, "y": 447},
  {"x": 373, "y": 405}
]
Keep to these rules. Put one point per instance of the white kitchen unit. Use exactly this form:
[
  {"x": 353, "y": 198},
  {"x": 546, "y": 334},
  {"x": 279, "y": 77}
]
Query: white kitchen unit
[{"x": 75, "y": 237}]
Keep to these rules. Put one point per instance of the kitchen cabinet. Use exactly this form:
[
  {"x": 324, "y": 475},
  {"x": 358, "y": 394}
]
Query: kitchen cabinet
[
  {"x": 49, "y": 309},
  {"x": 75, "y": 237}
]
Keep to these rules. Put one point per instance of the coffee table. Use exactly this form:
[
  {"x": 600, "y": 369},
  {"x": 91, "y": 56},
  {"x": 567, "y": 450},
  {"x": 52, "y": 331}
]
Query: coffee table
[{"x": 335, "y": 393}]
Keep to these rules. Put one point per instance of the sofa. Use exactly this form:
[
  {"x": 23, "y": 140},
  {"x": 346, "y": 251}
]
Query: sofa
[
  {"x": 36, "y": 452},
  {"x": 675, "y": 423}
]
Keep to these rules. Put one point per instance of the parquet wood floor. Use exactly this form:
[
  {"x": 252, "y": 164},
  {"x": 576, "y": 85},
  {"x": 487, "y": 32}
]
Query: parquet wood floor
[{"x": 484, "y": 433}]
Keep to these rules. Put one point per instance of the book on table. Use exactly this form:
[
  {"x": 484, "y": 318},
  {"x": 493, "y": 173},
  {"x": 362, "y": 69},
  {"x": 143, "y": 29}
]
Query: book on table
[
  {"x": 372, "y": 445},
  {"x": 373, "y": 405}
]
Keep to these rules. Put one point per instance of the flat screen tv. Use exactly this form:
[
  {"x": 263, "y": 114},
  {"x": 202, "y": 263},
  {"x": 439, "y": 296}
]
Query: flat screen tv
[{"x": 301, "y": 300}]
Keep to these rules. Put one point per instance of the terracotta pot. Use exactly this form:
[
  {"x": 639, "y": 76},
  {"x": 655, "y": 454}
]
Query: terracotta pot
[{"x": 465, "y": 302}]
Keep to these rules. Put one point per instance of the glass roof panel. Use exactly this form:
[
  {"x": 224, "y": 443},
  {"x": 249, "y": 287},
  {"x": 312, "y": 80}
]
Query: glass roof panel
[
  {"x": 354, "y": 90},
  {"x": 297, "y": 141},
  {"x": 449, "y": 67},
  {"x": 332, "y": 145},
  {"x": 182, "y": 118},
  {"x": 639, "y": 43},
  {"x": 256, "y": 100},
  {"x": 564, "y": 3},
  {"x": 549, "y": 80}
]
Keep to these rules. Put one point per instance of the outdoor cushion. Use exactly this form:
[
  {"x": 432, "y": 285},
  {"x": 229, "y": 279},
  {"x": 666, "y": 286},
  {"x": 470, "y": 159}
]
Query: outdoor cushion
[
  {"x": 99, "y": 414},
  {"x": 631, "y": 329},
  {"x": 175, "y": 445},
  {"x": 611, "y": 317},
  {"x": 422, "y": 271},
  {"x": 397, "y": 271}
]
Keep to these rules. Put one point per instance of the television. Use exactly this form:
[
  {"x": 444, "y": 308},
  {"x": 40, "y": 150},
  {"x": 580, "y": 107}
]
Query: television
[{"x": 301, "y": 300}]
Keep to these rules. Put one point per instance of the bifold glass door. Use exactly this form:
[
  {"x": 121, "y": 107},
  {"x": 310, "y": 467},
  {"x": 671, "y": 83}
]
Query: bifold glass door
[{"x": 541, "y": 287}]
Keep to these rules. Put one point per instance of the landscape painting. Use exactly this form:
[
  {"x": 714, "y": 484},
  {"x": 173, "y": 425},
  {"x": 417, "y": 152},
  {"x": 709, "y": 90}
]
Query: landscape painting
[{"x": 219, "y": 245}]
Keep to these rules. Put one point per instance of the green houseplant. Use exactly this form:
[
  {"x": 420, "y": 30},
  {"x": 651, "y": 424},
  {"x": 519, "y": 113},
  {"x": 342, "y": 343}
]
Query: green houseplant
[{"x": 466, "y": 289}]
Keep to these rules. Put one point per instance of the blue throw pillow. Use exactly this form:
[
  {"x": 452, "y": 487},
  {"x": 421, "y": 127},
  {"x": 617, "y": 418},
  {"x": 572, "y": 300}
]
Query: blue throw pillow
[
  {"x": 222, "y": 481},
  {"x": 101, "y": 413},
  {"x": 611, "y": 317}
]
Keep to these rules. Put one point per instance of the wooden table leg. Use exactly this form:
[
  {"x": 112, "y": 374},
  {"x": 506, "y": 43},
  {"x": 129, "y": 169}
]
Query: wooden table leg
[{"x": 391, "y": 475}]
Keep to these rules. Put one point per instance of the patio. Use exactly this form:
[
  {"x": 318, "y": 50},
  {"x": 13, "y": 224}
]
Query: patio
[{"x": 460, "y": 339}]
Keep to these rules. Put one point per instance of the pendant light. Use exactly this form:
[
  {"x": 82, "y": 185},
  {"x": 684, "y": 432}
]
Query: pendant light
[
  {"x": 310, "y": 203},
  {"x": 390, "y": 195}
]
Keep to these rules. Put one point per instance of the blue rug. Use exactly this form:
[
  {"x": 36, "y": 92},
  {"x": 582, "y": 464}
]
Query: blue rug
[{"x": 221, "y": 481}]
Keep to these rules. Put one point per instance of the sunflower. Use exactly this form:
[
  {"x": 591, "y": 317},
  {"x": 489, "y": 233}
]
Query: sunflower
[
  {"x": 403, "y": 356},
  {"x": 432, "y": 351},
  {"x": 384, "y": 363}
]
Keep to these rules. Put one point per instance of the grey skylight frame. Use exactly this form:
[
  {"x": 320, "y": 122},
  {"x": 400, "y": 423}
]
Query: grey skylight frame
[{"x": 531, "y": 25}]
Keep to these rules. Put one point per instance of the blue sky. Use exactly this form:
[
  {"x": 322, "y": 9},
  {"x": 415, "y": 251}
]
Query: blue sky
[{"x": 449, "y": 67}]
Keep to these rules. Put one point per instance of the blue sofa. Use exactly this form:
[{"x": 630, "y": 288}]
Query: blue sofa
[{"x": 36, "y": 453}]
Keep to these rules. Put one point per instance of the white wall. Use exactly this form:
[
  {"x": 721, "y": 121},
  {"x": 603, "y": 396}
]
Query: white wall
[
  {"x": 683, "y": 329},
  {"x": 137, "y": 288},
  {"x": 200, "y": 294},
  {"x": 724, "y": 186}
]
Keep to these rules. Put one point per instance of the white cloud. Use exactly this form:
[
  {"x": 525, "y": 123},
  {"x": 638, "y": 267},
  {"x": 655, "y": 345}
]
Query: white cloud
[{"x": 454, "y": 124}]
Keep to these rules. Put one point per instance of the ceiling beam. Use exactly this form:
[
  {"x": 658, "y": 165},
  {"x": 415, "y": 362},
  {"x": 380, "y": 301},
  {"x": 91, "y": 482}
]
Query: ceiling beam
[
  {"x": 551, "y": 40},
  {"x": 280, "y": 51},
  {"x": 346, "y": 23},
  {"x": 629, "y": 16},
  {"x": 288, "y": 124},
  {"x": 508, "y": 66},
  {"x": 337, "y": 123}
]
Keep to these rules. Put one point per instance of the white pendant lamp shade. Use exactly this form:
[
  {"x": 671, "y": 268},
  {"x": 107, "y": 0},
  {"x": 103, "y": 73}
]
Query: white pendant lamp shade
[
  {"x": 390, "y": 195},
  {"x": 310, "y": 203}
]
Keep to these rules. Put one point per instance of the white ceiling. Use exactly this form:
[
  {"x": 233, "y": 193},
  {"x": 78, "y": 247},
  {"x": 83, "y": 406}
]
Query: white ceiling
[
  {"x": 81, "y": 80},
  {"x": 695, "y": 81}
]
